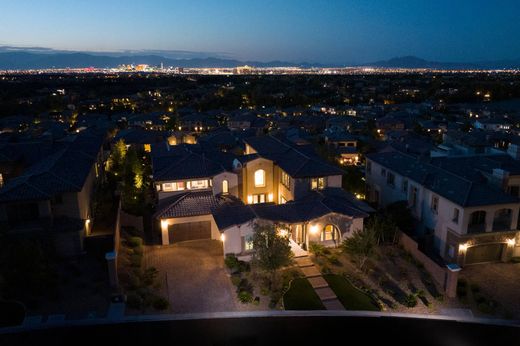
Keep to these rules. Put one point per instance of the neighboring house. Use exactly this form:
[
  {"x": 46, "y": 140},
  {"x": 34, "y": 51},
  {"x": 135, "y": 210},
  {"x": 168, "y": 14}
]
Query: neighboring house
[
  {"x": 207, "y": 194},
  {"x": 468, "y": 207},
  {"x": 141, "y": 138},
  {"x": 243, "y": 121},
  {"x": 54, "y": 195},
  {"x": 345, "y": 146},
  {"x": 156, "y": 121},
  {"x": 492, "y": 124}
]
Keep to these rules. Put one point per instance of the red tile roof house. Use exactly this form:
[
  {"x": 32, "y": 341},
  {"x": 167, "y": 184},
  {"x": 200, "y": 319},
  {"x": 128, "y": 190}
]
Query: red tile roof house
[
  {"x": 53, "y": 197},
  {"x": 207, "y": 194}
]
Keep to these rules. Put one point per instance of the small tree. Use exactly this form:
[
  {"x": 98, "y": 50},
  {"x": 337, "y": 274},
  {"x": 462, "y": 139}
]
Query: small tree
[
  {"x": 384, "y": 228},
  {"x": 117, "y": 157},
  {"x": 272, "y": 251},
  {"x": 362, "y": 245}
]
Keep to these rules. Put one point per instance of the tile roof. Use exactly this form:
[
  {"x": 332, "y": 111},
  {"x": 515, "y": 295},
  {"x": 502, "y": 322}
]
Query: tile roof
[
  {"x": 187, "y": 161},
  {"x": 63, "y": 171},
  {"x": 460, "y": 180},
  {"x": 298, "y": 162}
]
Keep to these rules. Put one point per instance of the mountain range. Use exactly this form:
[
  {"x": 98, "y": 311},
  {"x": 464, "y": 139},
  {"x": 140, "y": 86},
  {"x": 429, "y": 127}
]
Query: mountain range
[{"x": 30, "y": 59}]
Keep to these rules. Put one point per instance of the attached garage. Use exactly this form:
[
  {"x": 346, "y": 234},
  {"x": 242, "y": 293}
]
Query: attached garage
[
  {"x": 484, "y": 253},
  {"x": 189, "y": 231}
]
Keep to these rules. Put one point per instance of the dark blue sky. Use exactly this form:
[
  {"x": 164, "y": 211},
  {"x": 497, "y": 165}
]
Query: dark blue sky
[{"x": 342, "y": 31}]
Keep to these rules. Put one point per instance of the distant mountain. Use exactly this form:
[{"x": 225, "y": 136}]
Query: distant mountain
[
  {"x": 415, "y": 62},
  {"x": 21, "y": 60}
]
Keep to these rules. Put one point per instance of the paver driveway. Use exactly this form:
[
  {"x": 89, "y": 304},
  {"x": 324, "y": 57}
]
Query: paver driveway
[
  {"x": 196, "y": 276},
  {"x": 499, "y": 280}
]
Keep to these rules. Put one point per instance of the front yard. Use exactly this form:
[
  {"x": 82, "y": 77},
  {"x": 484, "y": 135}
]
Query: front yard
[{"x": 301, "y": 296}]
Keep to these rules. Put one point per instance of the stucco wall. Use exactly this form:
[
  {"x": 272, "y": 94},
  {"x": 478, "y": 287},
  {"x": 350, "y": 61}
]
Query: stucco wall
[
  {"x": 234, "y": 238},
  {"x": 232, "y": 179},
  {"x": 248, "y": 176}
]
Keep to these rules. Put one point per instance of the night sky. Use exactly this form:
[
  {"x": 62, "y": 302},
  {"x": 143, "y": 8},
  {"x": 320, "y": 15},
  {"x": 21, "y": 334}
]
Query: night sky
[{"x": 343, "y": 31}]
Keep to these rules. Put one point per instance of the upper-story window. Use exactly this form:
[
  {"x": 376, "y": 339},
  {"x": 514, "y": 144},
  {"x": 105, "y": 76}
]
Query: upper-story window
[
  {"x": 318, "y": 183},
  {"x": 435, "y": 204},
  {"x": 390, "y": 179},
  {"x": 225, "y": 186},
  {"x": 455, "y": 218},
  {"x": 286, "y": 180},
  {"x": 197, "y": 184},
  {"x": 260, "y": 178},
  {"x": 404, "y": 185},
  {"x": 177, "y": 186}
]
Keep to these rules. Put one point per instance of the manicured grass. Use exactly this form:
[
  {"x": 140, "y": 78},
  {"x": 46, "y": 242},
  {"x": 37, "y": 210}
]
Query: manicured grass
[
  {"x": 301, "y": 296},
  {"x": 348, "y": 295}
]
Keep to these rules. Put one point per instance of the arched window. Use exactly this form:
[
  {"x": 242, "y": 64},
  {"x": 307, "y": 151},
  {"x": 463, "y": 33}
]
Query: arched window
[
  {"x": 477, "y": 222},
  {"x": 260, "y": 178},
  {"x": 225, "y": 186},
  {"x": 330, "y": 232}
]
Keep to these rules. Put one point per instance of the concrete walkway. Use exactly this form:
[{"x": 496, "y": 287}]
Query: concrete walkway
[{"x": 320, "y": 285}]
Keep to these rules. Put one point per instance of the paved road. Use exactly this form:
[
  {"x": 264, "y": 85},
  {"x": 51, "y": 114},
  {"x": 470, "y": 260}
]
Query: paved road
[{"x": 197, "y": 279}]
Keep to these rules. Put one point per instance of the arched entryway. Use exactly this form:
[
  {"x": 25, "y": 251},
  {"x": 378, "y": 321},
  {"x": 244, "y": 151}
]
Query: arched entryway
[{"x": 331, "y": 233}]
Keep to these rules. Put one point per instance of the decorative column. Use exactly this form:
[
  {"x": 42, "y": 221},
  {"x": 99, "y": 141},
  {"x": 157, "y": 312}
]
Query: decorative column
[{"x": 452, "y": 276}]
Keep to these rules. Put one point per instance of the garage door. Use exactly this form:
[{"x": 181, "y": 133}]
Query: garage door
[
  {"x": 189, "y": 231},
  {"x": 484, "y": 253}
]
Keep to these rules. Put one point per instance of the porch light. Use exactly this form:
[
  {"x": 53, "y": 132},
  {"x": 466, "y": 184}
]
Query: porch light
[
  {"x": 463, "y": 247},
  {"x": 511, "y": 242},
  {"x": 314, "y": 229},
  {"x": 283, "y": 233},
  {"x": 222, "y": 237},
  {"x": 164, "y": 224}
]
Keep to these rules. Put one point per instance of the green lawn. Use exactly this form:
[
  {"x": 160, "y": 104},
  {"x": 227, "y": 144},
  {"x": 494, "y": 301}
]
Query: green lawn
[
  {"x": 348, "y": 295},
  {"x": 301, "y": 296}
]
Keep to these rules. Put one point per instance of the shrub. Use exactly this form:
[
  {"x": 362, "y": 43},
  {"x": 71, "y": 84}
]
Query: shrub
[
  {"x": 245, "y": 297},
  {"x": 135, "y": 260},
  {"x": 134, "y": 301},
  {"x": 317, "y": 249},
  {"x": 235, "y": 279},
  {"x": 326, "y": 270},
  {"x": 243, "y": 266},
  {"x": 134, "y": 241},
  {"x": 138, "y": 250},
  {"x": 149, "y": 275},
  {"x": 160, "y": 303},
  {"x": 256, "y": 301},
  {"x": 231, "y": 261},
  {"x": 133, "y": 282},
  {"x": 411, "y": 300},
  {"x": 245, "y": 285},
  {"x": 333, "y": 259},
  {"x": 131, "y": 231}
]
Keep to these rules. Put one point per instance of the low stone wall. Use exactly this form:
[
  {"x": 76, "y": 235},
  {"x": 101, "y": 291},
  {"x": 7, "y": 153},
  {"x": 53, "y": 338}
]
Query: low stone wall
[
  {"x": 445, "y": 278},
  {"x": 129, "y": 220}
]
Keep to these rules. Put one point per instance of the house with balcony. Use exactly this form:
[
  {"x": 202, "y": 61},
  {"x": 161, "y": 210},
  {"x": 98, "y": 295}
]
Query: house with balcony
[
  {"x": 467, "y": 207},
  {"x": 204, "y": 193}
]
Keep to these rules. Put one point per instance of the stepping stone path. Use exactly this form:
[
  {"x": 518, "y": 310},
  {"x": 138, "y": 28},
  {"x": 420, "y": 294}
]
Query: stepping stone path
[{"x": 320, "y": 285}]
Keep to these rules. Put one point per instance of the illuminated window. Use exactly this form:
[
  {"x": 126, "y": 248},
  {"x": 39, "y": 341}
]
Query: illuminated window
[
  {"x": 225, "y": 186},
  {"x": 330, "y": 232},
  {"x": 282, "y": 200},
  {"x": 317, "y": 183},
  {"x": 260, "y": 198},
  {"x": 260, "y": 178},
  {"x": 248, "y": 242},
  {"x": 168, "y": 187},
  {"x": 198, "y": 184},
  {"x": 286, "y": 180},
  {"x": 147, "y": 148}
]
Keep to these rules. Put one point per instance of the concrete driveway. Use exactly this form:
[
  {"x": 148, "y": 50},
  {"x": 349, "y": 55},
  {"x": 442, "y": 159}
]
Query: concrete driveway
[
  {"x": 197, "y": 280},
  {"x": 498, "y": 280}
]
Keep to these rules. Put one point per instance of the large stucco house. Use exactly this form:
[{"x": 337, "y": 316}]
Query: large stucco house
[
  {"x": 467, "y": 207},
  {"x": 53, "y": 196},
  {"x": 204, "y": 193}
]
